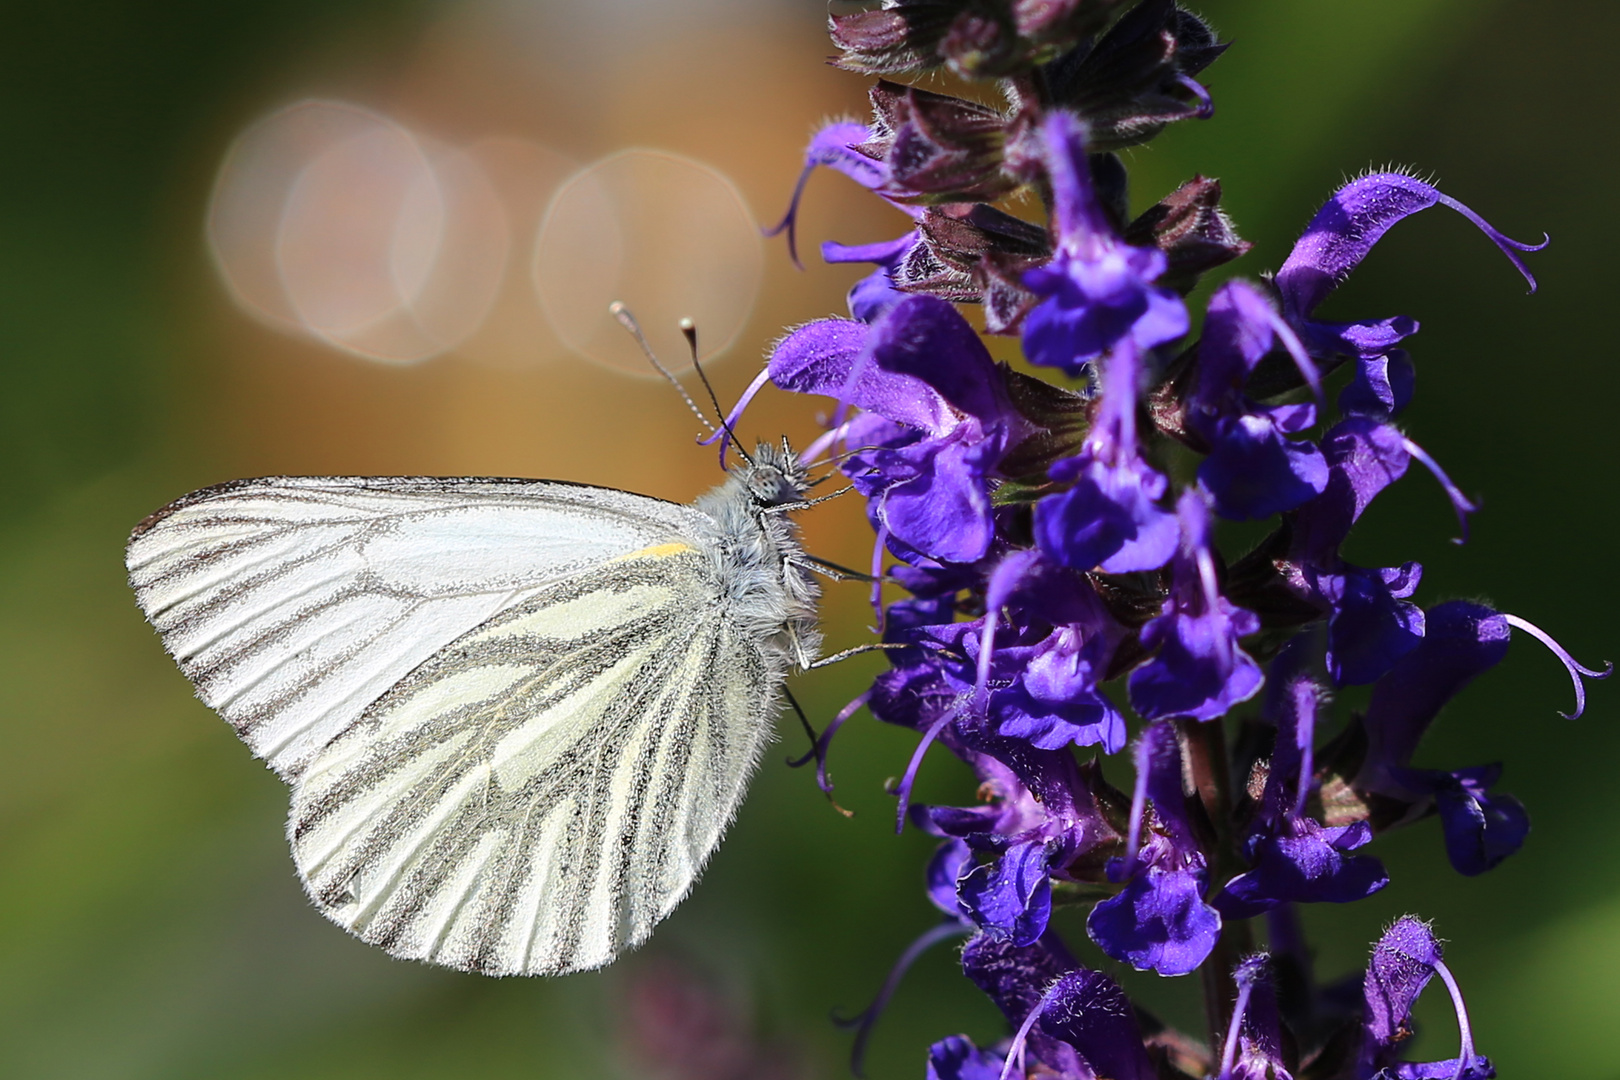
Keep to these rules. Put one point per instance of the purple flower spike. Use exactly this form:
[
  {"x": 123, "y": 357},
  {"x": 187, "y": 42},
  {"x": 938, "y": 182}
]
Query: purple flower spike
[
  {"x": 1199, "y": 670},
  {"x": 1573, "y": 666},
  {"x": 1340, "y": 236},
  {"x": 1403, "y": 962},
  {"x": 1099, "y": 290},
  {"x": 1253, "y": 1046}
]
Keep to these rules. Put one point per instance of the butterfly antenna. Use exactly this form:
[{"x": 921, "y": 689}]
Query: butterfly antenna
[
  {"x": 689, "y": 332},
  {"x": 622, "y": 313}
]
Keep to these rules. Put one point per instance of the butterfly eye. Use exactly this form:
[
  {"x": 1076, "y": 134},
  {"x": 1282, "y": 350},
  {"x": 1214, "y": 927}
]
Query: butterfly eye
[{"x": 768, "y": 486}]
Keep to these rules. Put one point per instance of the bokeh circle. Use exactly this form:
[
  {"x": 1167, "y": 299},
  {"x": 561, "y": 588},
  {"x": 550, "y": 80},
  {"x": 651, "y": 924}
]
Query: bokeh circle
[{"x": 669, "y": 236}]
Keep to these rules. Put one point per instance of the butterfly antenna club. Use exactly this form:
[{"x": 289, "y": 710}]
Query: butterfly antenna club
[{"x": 621, "y": 312}]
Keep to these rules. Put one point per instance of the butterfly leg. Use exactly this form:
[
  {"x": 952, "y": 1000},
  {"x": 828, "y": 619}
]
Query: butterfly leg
[
  {"x": 804, "y": 721},
  {"x": 804, "y": 504},
  {"x": 832, "y": 570}
]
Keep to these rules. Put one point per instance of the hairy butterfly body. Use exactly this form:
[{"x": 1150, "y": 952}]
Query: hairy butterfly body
[{"x": 516, "y": 715}]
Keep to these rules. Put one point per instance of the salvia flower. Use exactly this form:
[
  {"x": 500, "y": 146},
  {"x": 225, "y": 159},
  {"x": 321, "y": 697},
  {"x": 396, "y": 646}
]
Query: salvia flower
[
  {"x": 1049, "y": 579},
  {"x": 1403, "y": 962},
  {"x": 1340, "y": 236},
  {"x": 935, "y": 416},
  {"x": 1160, "y": 921},
  {"x": 1294, "y": 857},
  {"x": 1199, "y": 670},
  {"x": 1100, "y": 292},
  {"x": 1253, "y": 1049}
]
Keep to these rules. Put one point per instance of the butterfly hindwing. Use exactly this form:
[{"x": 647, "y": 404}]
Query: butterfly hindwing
[
  {"x": 540, "y": 793},
  {"x": 294, "y": 603}
]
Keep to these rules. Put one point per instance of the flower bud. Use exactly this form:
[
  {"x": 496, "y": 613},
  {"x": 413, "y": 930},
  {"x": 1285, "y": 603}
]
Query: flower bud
[
  {"x": 1138, "y": 76},
  {"x": 937, "y": 148},
  {"x": 976, "y": 39},
  {"x": 1190, "y": 228}
]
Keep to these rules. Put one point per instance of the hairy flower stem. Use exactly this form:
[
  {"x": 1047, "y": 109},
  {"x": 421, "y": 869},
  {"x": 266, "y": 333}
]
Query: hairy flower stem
[{"x": 1205, "y": 747}]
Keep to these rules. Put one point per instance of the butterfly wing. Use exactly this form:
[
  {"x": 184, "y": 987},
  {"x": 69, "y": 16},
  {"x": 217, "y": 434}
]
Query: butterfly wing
[
  {"x": 294, "y": 603},
  {"x": 534, "y": 798}
]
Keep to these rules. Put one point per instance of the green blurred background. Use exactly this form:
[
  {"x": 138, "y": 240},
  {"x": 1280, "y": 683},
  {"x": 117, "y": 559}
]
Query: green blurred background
[{"x": 150, "y": 922}]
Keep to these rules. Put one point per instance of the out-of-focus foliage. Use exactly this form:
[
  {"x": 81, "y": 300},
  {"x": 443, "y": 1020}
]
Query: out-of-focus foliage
[{"x": 150, "y": 923}]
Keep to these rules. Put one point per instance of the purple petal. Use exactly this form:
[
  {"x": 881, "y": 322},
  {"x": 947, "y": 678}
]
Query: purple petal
[
  {"x": 1241, "y": 327},
  {"x": 875, "y": 293},
  {"x": 1158, "y": 923},
  {"x": 927, "y": 339},
  {"x": 1075, "y": 213},
  {"x": 1461, "y": 640},
  {"x": 1364, "y": 456},
  {"x": 1093, "y": 306},
  {"x": 956, "y": 1058},
  {"x": 1480, "y": 829},
  {"x": 1254, "y": 471},
  {"x": 1382, "y": 387},
  {"x": 1199, "y": 672},
  {"x": 1309, "y": 868},
  {"x": 1011, "y": 896},
  {"x": 1089, "y": 1011},
  {"x": 830, "y": 357},
  {"x": 1372, "y": 625},
  {"x": 1367, "y": 339},
  {"x": 1109, "y": 518},
  {"x": 1085, "y": 718},
  {"x": 943, "y": 510},
  {"x": 944, "y": 870},
  {"x": 1353, "y": 221}
]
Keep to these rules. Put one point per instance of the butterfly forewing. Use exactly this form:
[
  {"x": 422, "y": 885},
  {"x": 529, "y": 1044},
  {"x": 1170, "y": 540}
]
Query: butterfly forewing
[
  {"x": 537, "y": 796},
  {"x": 294, "y": 603}
]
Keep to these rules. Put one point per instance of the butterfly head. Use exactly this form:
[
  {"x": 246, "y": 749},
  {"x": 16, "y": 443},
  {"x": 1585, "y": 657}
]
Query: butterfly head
[{"x": 774, "y": 476}]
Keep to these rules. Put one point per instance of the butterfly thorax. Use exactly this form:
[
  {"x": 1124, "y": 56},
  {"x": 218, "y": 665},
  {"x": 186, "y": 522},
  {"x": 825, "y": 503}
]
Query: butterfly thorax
[{"x": 769, "y": 590}]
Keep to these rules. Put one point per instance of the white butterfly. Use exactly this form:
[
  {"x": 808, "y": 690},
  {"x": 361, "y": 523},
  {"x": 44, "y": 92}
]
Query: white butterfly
[{"x": 516, "y": 715}]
